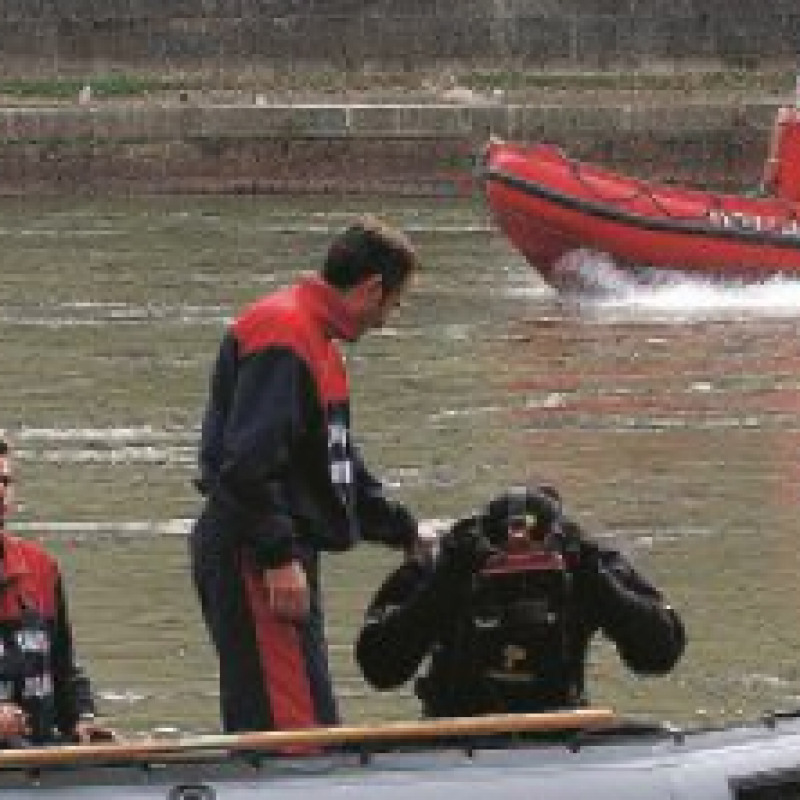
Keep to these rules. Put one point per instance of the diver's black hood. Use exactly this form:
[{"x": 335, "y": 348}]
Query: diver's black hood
[{"x": 541, "y": 505}]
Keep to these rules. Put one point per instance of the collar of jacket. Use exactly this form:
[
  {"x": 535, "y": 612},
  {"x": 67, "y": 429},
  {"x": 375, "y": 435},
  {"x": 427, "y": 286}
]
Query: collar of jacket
[
  {"x": 327, "y": 305},
  {"x": 13, "y": 564}
]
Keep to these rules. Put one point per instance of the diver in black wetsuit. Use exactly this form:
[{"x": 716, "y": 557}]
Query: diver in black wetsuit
[{"x": 506, "y": 611}]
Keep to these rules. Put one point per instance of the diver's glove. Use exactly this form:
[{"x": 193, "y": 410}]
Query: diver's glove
[
  {"x": 464, "y": 549},
  {"x": 589, "y": 574}
]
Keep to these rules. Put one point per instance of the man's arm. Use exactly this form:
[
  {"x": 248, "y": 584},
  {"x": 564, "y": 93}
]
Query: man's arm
[
  {"x": 71, "y": 686},
  {"x": 267, "y": 419},
  {"x": 649, "y": 634},
  {"x": 400, "y": 626},
  {"x": 416, "y": 605},
  {"x": 381, "y": 520}
]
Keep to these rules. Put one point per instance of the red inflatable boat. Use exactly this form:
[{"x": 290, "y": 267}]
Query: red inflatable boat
[{"x": 550, "y": 206}]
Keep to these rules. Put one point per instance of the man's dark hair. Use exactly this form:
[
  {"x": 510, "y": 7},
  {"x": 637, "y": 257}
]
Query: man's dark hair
[
  {"x": 3, "y": 446},
  {"x": 369, "y": 247}
]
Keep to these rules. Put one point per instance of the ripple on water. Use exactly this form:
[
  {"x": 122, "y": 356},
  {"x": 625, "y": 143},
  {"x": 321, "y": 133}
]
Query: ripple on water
[
  {"x": 115, "y": 445},
  {"x": 98, "y": 314},
  {"x": 92, "y": 530}
]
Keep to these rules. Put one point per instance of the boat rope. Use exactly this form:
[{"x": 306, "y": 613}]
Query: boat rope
[{"x": 786, "y": 212}]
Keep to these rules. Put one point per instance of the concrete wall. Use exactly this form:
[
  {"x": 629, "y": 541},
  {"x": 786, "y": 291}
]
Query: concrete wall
[
  {"x": 53, "y": 35},
  {"x": 427, "y": 149},
  {"x": 180, "y": 146}
]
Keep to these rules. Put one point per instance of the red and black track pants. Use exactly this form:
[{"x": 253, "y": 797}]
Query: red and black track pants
[{"x": 273, "y": 675}]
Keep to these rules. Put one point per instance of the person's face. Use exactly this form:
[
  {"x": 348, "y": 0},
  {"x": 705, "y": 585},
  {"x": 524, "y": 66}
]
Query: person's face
[
  {"x": 371, "y": 305},
  {"x": 6, "y": 488}
]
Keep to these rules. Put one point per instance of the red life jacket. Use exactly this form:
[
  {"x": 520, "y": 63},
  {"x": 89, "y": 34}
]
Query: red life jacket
[
  {"x": 30, "y": 577},
  {"x": 287, "y": 319},
  {"x": 27, "y": 614}
]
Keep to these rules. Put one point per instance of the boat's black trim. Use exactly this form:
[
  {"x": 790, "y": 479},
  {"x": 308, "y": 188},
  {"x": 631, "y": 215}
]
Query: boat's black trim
[
  {"x": 773, "y": 785},
  {"x": 746, "y": 235}
]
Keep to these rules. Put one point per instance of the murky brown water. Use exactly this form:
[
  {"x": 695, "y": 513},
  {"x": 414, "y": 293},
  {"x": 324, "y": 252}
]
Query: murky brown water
[{"x": 668, "y": 418}]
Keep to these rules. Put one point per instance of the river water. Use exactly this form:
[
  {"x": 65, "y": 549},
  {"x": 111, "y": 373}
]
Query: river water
[{"x": 668, "y": 418}]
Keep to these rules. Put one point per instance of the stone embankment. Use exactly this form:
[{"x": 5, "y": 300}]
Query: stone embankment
[{"x": 186, "y": 144}]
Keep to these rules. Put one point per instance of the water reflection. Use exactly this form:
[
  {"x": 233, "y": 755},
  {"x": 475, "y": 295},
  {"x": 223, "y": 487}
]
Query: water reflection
[{"x": 668, "y": 417}]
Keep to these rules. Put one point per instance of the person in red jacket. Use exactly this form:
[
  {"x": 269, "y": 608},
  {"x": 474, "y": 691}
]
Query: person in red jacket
[
  {"x": 45, "y": 696},
  {"x": 283, "y": 480}
]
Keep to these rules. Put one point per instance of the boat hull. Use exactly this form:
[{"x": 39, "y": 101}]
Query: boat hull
[
  {"x": 628, "y": 763},
  {"x": 550, "y": 206}
]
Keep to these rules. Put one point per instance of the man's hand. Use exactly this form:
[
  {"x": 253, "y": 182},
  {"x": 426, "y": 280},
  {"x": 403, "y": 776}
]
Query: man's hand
[
  {"x": 425, "y": 546},
  {"x": 287, "y": 590},
  {"x": 90, "y": 731},
  {"x": 13, "y": 721}
]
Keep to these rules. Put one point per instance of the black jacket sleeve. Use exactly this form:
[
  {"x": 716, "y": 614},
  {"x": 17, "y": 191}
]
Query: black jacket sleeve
[
  {"x": 380, "y": 519},
  {"x": 399, "y": 627},
  {"x": 71, "y": 687},
  {"x": 415, "y": 606},
  {"x": 648, "y": 633},
  {"x": 267, "y": 419}
]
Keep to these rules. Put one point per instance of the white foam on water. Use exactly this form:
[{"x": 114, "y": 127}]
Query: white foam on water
[
  {"x": 671, "y": 294},
  {"x": 685, "y": 297}
]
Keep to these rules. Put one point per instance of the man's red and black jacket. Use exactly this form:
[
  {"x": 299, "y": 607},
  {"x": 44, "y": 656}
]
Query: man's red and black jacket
[
  {"x": 38, "y": 670},
  {"x": 277, "y": 460}
]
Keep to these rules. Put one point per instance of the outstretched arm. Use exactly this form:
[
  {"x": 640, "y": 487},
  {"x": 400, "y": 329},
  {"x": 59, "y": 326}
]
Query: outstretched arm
[{"x": 381, "y": 519}]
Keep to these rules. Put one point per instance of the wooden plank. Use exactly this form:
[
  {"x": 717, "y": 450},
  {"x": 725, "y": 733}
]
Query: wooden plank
[{"x": 307, "y": 739}]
